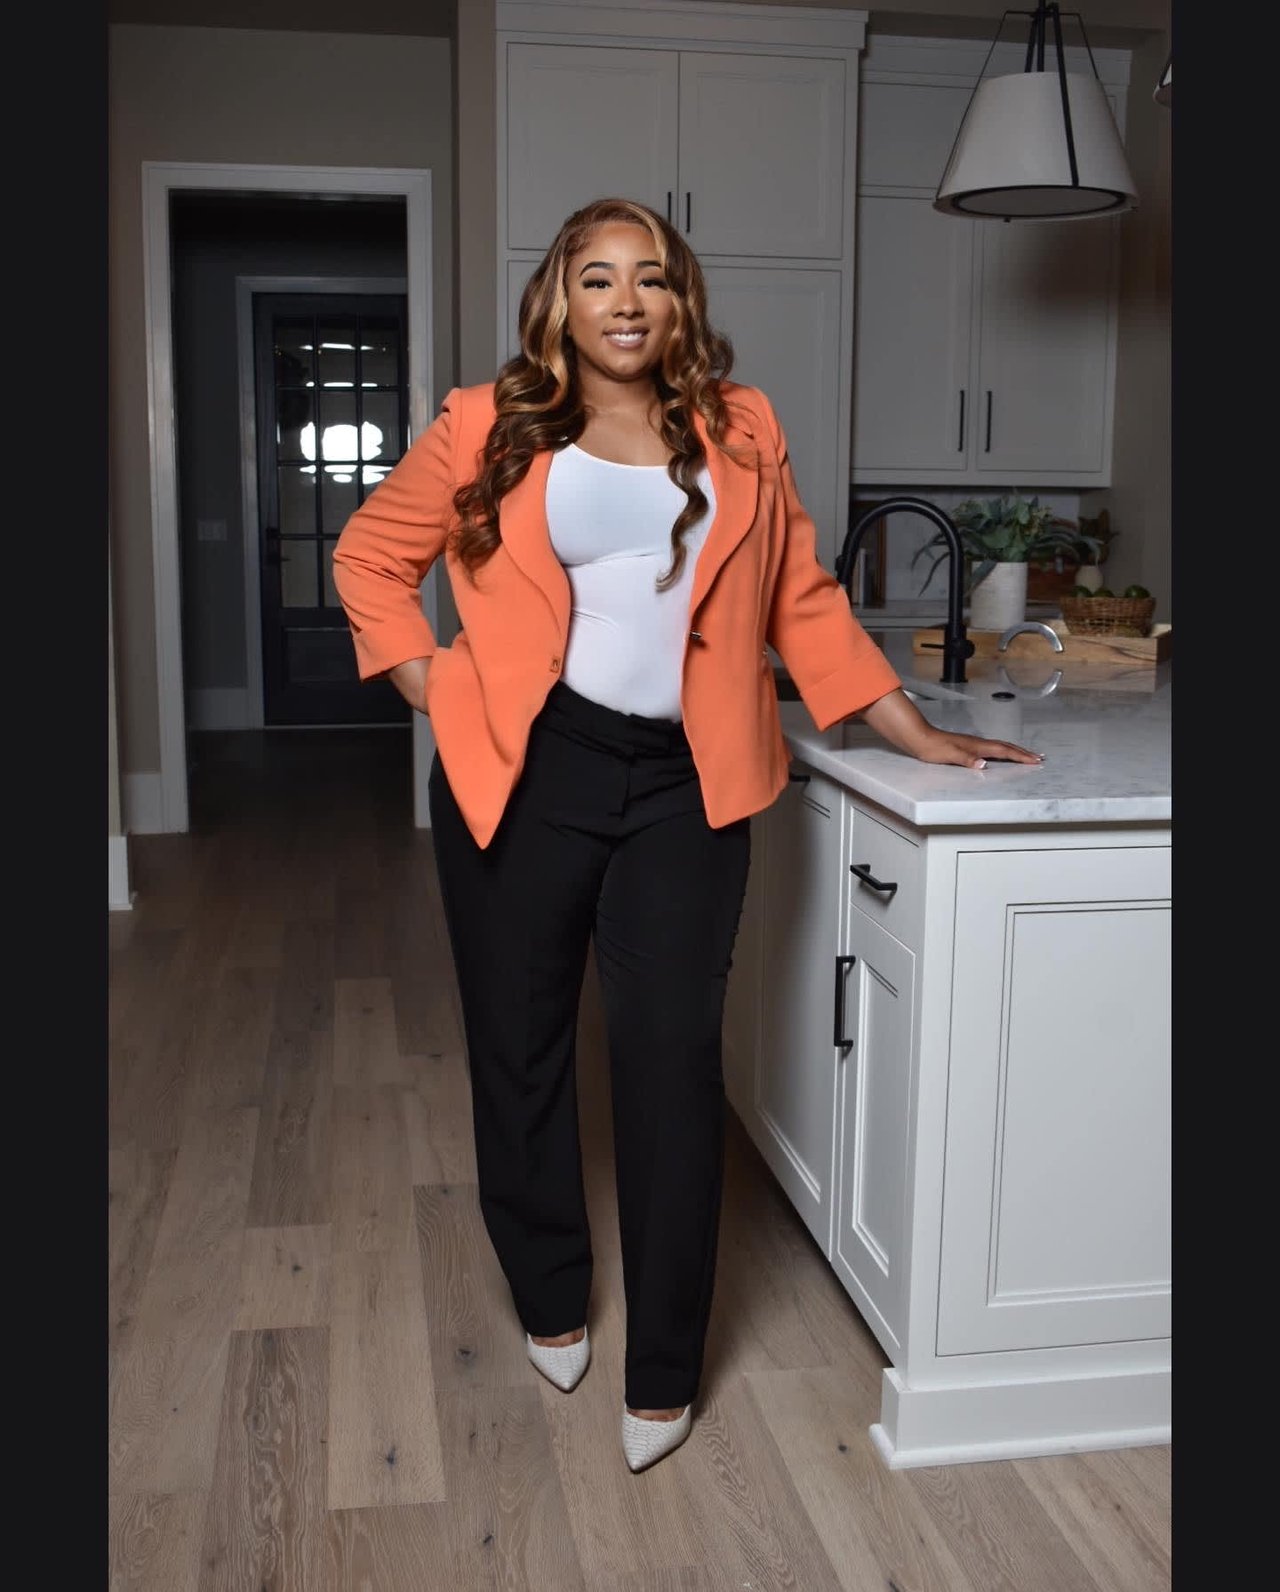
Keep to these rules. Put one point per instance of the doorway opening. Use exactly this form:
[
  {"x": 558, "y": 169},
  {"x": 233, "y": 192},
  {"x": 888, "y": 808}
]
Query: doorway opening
[{"x": 244, "y": 643}]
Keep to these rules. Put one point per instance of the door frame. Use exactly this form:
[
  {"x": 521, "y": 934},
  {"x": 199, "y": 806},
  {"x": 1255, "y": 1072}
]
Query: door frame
[
  {"x": 160, "y": 179},
  {"x": 246, "y": 287}
]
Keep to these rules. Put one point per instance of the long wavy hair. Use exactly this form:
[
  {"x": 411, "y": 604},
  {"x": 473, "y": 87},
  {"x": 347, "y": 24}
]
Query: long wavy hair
[{"x": 538, "y": 395}]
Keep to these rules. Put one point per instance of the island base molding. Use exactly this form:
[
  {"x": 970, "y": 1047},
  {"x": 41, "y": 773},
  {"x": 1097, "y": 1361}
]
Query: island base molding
[{"x": 954, "y": 1425}]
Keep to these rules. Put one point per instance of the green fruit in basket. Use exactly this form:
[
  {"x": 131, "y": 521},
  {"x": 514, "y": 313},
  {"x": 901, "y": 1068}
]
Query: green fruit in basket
[
  {"x": 1104, "y": 591},
  {"x": 1136, "y": 591},
  {"x": 1082, "y": 591}
]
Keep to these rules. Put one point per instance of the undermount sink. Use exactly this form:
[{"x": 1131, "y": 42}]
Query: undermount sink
[{"x": 1000, "y": 684}]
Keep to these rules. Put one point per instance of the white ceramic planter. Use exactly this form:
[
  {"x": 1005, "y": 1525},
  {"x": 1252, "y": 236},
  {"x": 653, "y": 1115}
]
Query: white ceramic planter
[{"x": 1000, "y": 598}]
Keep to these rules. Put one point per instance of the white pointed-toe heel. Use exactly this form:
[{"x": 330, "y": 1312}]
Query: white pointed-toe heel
[
  {"x": 562, "y": 1366},
  {"x": 646, "y": 1442}
]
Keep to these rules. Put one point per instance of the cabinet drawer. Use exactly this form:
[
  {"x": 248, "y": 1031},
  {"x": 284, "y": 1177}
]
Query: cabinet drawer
[{"x": 880, "y": 856}]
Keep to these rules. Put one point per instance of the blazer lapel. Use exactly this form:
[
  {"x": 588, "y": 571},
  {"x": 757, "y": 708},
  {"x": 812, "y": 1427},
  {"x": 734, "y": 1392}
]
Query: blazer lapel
[
  {"x": 522, "y": 519},
  {"x": 736, "y": 487}
]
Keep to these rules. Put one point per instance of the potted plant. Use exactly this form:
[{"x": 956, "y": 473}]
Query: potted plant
[
  {"x": 1000, "y": 537},
  {"x": 1097, "y": 537}
]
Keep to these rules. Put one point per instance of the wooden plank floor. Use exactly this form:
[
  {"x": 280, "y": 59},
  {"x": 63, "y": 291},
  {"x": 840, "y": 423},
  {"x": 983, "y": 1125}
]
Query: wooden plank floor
[{"x": 317, "y": 1381}]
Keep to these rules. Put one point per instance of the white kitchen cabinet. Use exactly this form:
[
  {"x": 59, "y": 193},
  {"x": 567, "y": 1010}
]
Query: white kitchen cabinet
[
  {"x": 737, "y": 122},
  {"x": 779, "y": 321},
  {"x": 984, "y": 351},
  {"x": 1044, "y": 364},
  {"x": 787, "y": 1101},
  {"x": 744, "y": 154},
  {"x": 762, "y": 154},
  {"x": 584, "y": 123},
  {"x": 911, "y": 376},
  {"x": 1057, "y": 1127},
  {"x": 961, "y": 1080},
  {"x": 873, "y": 1126}
]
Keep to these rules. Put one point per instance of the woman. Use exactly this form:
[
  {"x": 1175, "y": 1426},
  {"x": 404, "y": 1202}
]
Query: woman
[{"x": 623, "y": 539}]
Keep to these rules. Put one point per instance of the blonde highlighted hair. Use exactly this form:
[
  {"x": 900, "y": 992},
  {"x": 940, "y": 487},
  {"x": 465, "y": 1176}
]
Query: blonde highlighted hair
[{"x": 538, "y": 397}]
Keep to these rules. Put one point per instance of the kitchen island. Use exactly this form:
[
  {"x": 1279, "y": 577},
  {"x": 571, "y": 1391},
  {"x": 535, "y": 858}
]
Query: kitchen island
[{"x": 948, "y": 1033}]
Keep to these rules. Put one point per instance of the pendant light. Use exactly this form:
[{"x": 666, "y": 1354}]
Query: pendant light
[{"x": 1037, "y": 144}]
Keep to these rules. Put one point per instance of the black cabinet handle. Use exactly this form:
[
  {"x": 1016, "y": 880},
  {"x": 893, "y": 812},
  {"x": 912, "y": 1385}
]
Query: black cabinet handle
[
  {"x": 688, "y": 210},
  {"x": 668, "y": 204},
  {"x": 843, "y": 964},
  {"x": 799, "y": 779},
  {"x": 862, "y": 870},
  {"x": 960, "y": 443},
  {"x": 987, "y": 449}
]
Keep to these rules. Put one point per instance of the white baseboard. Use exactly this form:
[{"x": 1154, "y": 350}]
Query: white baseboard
[
  {"x": 143, "y": 800},
  {"x": 221, "y": 708},
  {"x": 1020, "y": 1420},
  {"x": 119, "y": 896}
]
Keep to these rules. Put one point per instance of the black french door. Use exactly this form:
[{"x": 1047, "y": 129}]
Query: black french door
[{"x": 331, "y": 386}]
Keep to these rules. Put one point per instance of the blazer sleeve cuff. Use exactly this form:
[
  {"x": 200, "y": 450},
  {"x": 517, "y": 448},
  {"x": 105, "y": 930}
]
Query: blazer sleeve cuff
[
  {"x": 380, "y": 647},
  {"x": 848, "y": 691}
]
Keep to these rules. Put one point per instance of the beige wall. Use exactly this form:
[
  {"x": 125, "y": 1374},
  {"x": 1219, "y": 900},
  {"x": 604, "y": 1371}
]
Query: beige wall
[
  {"x": 1139, "y": 498},
  {"x": 242, "y": 97}
]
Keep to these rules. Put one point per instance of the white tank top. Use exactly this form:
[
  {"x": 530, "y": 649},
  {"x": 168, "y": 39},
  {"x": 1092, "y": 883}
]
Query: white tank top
[{"x": 610, "y": 527}]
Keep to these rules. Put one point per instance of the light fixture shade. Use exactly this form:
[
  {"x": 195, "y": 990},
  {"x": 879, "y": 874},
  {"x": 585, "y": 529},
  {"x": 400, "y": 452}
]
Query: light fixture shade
[{"x": 1012, "y": 160}]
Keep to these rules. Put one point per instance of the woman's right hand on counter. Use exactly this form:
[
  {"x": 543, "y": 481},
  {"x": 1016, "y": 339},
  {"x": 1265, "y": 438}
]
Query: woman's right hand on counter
[{"x": 896, "y": 717}]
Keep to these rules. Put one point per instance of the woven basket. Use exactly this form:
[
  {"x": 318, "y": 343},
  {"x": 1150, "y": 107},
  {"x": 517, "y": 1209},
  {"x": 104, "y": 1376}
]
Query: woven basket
[{"x": 1108, "y": 616}]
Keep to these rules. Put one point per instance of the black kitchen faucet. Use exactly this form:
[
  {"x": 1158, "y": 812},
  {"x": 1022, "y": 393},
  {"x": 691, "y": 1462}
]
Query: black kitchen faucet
[{"x": 956, "y": 646}]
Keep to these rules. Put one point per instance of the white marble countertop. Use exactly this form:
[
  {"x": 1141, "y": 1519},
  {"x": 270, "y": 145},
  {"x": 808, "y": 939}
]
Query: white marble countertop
[{"x": 1104, "y": 732}]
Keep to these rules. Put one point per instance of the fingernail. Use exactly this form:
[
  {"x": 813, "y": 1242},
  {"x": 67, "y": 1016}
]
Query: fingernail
[{"x": 981, "y": 763}]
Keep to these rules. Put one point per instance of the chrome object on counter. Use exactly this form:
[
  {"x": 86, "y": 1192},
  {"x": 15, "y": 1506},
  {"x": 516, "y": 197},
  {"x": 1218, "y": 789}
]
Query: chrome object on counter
[
  {"x": 1044, "y": 689},
  {"x": 1031, "y": 627}
]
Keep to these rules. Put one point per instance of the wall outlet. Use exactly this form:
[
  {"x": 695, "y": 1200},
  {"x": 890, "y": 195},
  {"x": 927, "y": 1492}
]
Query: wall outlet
[{"x": 211, "y": 530}]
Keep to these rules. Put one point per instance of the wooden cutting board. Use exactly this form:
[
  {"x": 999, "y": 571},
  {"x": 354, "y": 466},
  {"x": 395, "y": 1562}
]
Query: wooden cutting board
[{"x": 1150, "y": 649}]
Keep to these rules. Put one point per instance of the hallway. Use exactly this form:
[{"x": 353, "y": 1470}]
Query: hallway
[{"x": 316, "y": 1379}]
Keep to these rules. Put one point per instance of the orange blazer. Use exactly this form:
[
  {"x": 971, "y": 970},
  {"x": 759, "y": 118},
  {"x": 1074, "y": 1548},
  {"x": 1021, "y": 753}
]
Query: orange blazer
[{"x": 757, "y": 581}]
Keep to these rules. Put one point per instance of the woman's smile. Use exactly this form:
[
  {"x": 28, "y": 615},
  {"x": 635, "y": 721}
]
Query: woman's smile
[{"x": 618, "y": 303}]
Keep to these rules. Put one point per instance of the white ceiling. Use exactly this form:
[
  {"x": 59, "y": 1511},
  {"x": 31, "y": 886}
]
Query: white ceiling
[
  {"x": 1109, "y": 22},
  {"x": 432, "y": 18}
]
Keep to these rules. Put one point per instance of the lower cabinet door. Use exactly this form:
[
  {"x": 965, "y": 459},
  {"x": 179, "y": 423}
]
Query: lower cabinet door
[
  {"x": 873, "y": 1123},
  {"x": 1056, "y": 1190},
  {"x": 792, "y": 1111}
]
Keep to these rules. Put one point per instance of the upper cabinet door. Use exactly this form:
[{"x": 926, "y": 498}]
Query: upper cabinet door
[
  {"x": 1046, "y": 348},
  {"x": 907, "y": 133},
  {"x": 784, "y": 326},
  {"x": 585, "y": 124},
  {"x": 762, "y": 155},
  {"x": 912, "y": 409}
]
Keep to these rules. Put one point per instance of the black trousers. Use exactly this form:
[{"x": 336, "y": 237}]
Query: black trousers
[{"x": 604, "y": 837}]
